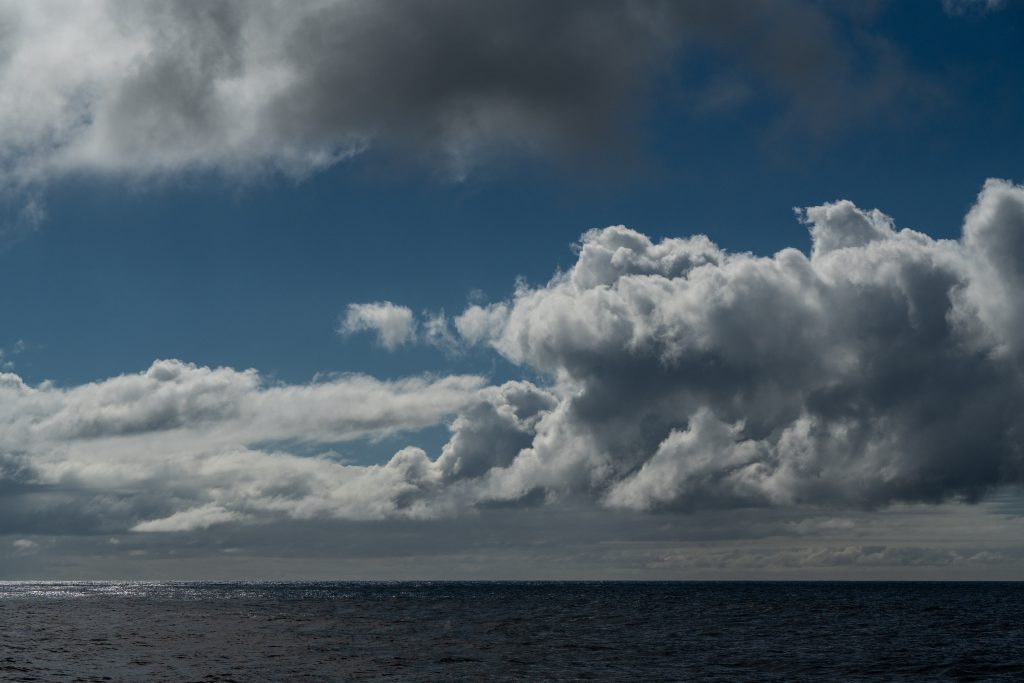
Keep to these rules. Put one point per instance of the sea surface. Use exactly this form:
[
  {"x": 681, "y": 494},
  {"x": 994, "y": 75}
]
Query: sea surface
[{"x": 511, "y": 631}]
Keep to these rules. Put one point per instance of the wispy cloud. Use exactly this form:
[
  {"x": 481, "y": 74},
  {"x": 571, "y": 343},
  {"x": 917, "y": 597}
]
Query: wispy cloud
[{"x": 961, "y": 7}]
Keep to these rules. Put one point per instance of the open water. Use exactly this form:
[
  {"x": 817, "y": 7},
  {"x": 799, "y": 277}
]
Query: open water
[{"x": 511, "y": 631}]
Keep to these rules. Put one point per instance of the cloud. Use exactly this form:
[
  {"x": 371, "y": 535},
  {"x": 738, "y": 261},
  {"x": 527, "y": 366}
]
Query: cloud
[
  {"x": 187, "y": 520},
  {"x": 437, "y": 332},
  {"x": 397, "y": 326},
  {"x": 492, "y": 433},
  {"x": 226, "y": 405},
  {"x": 394, "y": 325},
  {"x": 151, "y": 90},
  {"x": 478, "y": 323},
  {"x": 113, "y": 87},
  {"x": 181, "y": 447},
  {"x": 885, "y": 367}
]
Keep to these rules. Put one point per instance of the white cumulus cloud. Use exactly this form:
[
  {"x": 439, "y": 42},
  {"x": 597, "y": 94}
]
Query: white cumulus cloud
[
  {"x": 394, "y": 325},
  {"x": 884, "y": 367}
]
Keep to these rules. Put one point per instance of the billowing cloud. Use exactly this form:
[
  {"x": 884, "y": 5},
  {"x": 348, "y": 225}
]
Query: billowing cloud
[
  {"x": 151, "y": 89},
  {"x": 885, "y": 367},
  {"x": 393, "y": 325}
]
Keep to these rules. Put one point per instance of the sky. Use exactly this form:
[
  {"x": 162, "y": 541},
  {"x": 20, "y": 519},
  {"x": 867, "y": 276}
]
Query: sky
[{"x": 511, "y": 290}]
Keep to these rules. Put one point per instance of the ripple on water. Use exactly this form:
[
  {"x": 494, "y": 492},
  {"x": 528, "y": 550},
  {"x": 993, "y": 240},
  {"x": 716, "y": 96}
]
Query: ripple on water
[{"x": 149, "y": 631}]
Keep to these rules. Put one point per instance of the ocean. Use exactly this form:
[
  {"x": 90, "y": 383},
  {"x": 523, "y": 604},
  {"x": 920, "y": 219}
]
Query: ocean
[{"x": 508, "y": 631}]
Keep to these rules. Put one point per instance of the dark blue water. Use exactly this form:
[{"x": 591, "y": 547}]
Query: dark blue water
[{"x": 511, "y": 631}]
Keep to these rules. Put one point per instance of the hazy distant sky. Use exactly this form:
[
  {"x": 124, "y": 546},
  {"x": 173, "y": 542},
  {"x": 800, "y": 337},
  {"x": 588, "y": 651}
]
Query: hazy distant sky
[{"x": 460, "y": 289}]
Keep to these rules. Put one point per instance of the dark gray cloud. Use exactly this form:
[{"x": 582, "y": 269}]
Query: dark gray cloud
[
  {"x": 463, "y": 79},
  {"x": 151, "y": 89},
  {"x": 156, "y": 88}
]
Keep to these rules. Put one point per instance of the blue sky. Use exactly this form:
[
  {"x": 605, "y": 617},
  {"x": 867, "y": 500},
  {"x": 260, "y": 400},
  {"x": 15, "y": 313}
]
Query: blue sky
[{"x": 157, "y": 208}]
